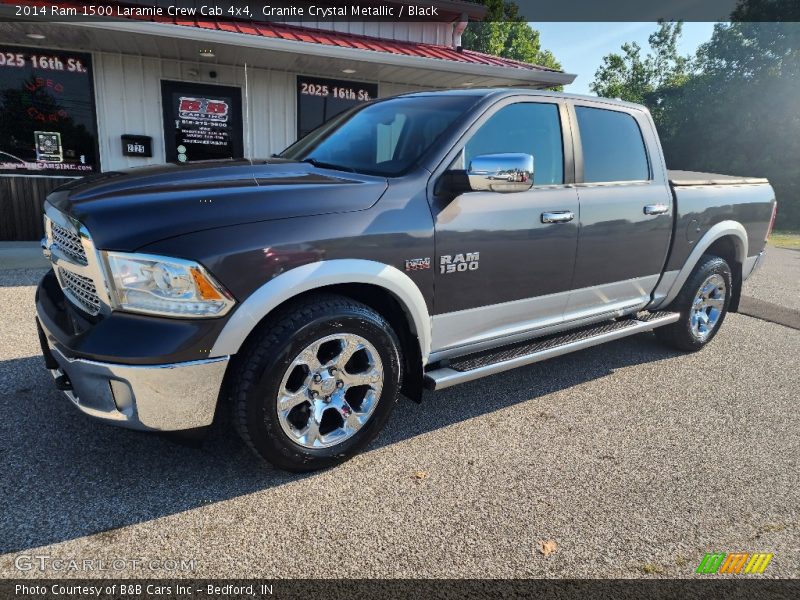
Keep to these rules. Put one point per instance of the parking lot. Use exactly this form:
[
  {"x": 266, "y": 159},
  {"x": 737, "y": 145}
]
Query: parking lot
[{"x": 634, "y": 459}]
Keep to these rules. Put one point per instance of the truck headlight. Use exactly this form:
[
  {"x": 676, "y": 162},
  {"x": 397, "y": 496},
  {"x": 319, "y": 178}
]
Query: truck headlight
[{"x": 165, "y": 286}]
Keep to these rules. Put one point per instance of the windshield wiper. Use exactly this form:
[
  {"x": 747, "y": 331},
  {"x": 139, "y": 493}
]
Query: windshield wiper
[{"x": 326, "y": 165}]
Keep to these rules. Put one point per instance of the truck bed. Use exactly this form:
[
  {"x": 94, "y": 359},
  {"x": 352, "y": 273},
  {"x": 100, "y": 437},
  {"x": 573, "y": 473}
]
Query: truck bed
[
  {"x": 687, "y": 178},
  {"x": 703, "y": 200}
]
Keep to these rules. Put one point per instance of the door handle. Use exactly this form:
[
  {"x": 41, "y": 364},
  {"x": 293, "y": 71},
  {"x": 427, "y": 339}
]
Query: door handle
[
  {"x": 563, "y": 216},
  {"x": 656, "y": 209}
]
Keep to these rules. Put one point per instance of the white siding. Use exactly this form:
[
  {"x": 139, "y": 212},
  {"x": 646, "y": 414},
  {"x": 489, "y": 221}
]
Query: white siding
[{"x": 128, "y": 95}]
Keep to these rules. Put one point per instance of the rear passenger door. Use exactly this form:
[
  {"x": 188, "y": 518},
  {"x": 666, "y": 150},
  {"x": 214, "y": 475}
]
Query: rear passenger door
[{"x": 625, "y": 210}]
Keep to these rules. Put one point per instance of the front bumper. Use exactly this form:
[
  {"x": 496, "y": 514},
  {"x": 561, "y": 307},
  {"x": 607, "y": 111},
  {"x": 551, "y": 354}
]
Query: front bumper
[
  {"x": 167, "y": 397},
  {"x": 134, "y": 371}
]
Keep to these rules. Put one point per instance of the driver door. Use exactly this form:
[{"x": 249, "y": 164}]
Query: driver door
[{"x": 503, "y": 269}]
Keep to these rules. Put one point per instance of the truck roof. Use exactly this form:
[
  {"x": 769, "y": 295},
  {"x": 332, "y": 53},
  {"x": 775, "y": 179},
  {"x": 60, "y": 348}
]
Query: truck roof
[{"x": 521, "y": 91}]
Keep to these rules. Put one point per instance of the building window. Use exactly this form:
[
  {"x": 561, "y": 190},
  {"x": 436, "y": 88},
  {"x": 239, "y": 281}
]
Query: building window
[
  {"x": 48, "y": 124},
  {"x": 319, "y": 100},
  {"x": 201, "y": 122}
]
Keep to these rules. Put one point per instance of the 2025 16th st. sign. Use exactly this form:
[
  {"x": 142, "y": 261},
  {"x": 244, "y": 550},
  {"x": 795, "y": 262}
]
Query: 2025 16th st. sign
[
  {"x": 47, "y": 113},
  {"x": 319, "y": 100}
]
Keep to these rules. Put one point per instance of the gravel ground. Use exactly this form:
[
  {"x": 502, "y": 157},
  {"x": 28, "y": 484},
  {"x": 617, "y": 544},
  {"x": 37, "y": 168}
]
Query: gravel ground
[{"x": 634, "y": 459}]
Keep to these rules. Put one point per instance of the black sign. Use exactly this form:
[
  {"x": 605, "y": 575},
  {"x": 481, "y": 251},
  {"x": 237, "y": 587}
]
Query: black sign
[
  {"x": 137, "y": 145},
  {"x": 321, "y": 99},
  {"x": 47, "y": 113},
  {"x": 201, "y": 122}
]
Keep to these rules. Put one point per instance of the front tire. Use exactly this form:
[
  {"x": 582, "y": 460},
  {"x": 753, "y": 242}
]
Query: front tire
[
  {"x": 316, "y": 383},
  {"x": 703, "y": 303}
]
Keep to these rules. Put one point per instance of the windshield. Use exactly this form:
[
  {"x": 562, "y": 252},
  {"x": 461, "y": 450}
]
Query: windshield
[{"x": 385, "y": 138}]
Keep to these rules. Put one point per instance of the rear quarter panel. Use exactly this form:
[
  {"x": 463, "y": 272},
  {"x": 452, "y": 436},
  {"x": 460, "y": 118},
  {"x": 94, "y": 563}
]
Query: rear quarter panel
[{"x": 699, "y": 208}]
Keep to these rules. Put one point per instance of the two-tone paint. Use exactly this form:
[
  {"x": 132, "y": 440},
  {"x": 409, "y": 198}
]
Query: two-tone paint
[{"x": 270, "y": 230}]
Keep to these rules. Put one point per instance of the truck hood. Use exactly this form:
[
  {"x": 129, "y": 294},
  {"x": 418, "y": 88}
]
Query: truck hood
[{"x": 125, "y": 210}]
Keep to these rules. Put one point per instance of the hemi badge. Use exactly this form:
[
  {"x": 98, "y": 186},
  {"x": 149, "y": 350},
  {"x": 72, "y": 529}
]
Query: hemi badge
[{"x": 417, "y": 264}]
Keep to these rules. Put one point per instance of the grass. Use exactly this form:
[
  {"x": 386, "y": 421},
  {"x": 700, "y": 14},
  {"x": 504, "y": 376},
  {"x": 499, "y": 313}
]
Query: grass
[{"x": 785, "y": 239}]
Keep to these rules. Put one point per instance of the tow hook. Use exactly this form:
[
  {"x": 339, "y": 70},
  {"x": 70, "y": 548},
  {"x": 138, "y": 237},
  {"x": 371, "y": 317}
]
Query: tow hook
[{"x": 63, "y": 384}]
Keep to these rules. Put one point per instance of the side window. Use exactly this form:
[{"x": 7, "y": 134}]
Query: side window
[
  {"x": 613, "y": 148},
  {"x": 528, "y": 127}
]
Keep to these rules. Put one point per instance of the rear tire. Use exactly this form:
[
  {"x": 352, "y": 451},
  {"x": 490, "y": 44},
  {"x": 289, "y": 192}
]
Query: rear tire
[
  {"x": 316, "y": 383},
  {"x": 703, "y": 303}
]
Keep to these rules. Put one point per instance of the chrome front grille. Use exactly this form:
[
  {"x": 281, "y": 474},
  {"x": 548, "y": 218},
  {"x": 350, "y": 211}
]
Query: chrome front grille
[
  {"x": 76, "y": 262},
  {"x": 69, "y": 243},
  {"x": 80, "y": 290}
]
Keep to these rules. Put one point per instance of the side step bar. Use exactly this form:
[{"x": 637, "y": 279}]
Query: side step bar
[{"x": 481, "y": 364}]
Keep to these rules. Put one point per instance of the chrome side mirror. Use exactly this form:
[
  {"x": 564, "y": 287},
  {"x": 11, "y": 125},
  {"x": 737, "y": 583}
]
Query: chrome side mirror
[{"x": 512, "y": 172}]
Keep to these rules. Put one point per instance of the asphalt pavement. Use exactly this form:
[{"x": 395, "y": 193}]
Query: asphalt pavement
[{"x": 634, "y": 459}]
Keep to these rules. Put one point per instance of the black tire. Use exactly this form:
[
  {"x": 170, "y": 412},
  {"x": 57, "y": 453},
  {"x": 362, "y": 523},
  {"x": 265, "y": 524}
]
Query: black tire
[
  {"x": 266, "y": 359},
  {"x": 679, "y": 335}
]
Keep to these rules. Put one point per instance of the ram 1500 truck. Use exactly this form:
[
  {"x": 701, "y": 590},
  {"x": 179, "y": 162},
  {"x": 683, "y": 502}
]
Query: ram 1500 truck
[{"x": 414, "y": 242}]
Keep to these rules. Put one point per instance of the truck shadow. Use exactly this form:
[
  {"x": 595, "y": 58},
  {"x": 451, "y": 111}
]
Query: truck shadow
[{"x": 64, "y": 476}]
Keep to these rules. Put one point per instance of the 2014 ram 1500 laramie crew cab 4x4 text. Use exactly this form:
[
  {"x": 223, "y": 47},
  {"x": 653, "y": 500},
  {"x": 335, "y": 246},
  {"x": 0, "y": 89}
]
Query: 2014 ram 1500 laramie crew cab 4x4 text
[{"x": 418, "y": 241}]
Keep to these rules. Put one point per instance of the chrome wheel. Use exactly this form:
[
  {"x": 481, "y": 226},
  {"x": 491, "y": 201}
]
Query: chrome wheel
[
  {"x": 330, "y": 390},
  {"x": 707, "y": 307}
]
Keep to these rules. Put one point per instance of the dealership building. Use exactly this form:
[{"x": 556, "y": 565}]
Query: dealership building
[{"x": 101, "y": 95}]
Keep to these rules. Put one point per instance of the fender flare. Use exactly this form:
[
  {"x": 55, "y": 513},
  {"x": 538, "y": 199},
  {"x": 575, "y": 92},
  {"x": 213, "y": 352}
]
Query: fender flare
[
  {"x": 317, "y": 275},
  {"x": 670, "y": 286}
]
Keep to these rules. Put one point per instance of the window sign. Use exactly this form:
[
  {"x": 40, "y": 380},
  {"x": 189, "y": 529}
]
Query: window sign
[
  {"x": 48, "y": 147},
  {"x": 47, "y": 113},
  {"x": 201, "y": 122},
  {"x": 319, "y": 100}
]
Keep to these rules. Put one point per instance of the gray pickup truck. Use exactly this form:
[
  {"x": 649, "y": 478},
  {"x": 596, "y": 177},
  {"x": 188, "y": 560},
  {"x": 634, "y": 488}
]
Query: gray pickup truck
[{"x": 414, "y": 242}]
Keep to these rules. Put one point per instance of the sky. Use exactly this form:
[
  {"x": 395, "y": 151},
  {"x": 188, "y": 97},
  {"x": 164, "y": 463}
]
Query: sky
[{"x": 580, "y": 47}]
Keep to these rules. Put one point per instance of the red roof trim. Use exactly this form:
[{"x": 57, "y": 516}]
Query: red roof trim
[{"x": 368, "y": 43}]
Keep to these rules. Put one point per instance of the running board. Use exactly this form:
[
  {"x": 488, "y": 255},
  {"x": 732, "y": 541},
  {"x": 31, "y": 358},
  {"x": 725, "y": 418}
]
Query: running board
[{"x": 489, "y": 362}]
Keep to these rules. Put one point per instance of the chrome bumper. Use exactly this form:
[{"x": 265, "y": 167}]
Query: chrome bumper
[{"x": 153, "y": 397}]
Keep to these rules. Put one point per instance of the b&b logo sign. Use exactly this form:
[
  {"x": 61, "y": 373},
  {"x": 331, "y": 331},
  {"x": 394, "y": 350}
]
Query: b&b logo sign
[{"x": 203, "y": 109}]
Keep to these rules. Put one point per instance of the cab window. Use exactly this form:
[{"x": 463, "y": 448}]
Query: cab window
[
  {"x": 613, "y": 148},
  {"x": 528, "y": 127}
]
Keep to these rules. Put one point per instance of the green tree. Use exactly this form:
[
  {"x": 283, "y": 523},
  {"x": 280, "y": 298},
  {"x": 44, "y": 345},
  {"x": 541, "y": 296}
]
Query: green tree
[
  {"x": 505, "y": 33},
  {"x": 645, "y": 79},
  {"x": 733, "y": 107}
]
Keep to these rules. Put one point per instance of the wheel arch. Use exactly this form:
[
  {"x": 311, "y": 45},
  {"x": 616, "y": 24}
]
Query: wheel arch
[
  {"x": 382, "y": 287},
  {"x": 728, "y": 240},
  {"x": 727, "y": 248},
  {"x": 389, "y": 307}
]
